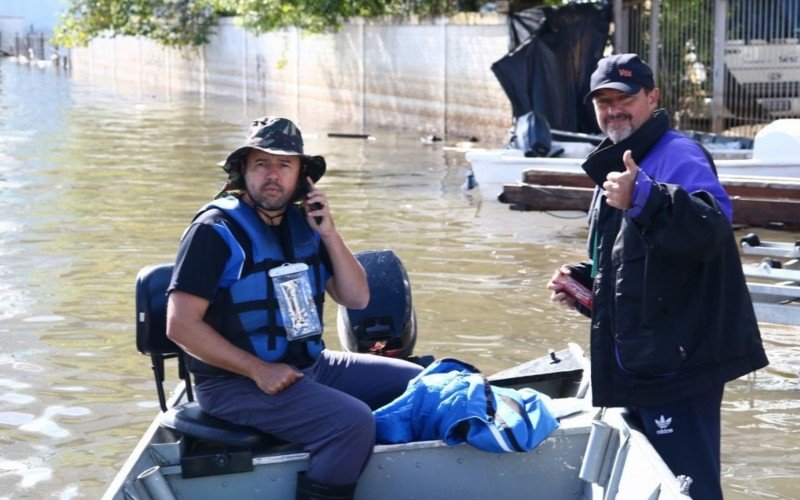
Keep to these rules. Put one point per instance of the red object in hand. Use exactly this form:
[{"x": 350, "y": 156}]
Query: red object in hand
[{"x": 574, "y": 288}]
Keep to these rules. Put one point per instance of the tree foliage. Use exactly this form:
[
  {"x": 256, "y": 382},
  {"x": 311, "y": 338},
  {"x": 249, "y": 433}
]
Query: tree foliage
[
  {"x": 189, "y": 22},
  {"x": 171, "y": 22},
  {"x": 312, "y": 15}
]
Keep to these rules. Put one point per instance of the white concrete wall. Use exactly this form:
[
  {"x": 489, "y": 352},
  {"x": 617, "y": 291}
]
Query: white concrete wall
[
  {"x": 405, "y": 78},
  {"x": 433, "y": 77}
]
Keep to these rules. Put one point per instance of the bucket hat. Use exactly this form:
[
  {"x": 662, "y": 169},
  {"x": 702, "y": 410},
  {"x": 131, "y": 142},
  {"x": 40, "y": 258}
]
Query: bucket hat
[
  {"x": 273, "y": 135},
  {"x": 624, "y": 72}
]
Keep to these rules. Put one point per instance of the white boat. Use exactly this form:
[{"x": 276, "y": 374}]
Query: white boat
[
  {"x": 775, "y": 153},
  {"x": 593, "y": 454},
  {"x": 589, "y": 456}
]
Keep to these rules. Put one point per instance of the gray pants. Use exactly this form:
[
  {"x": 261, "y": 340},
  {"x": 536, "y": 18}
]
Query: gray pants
[{"x": 328, "y": 411}]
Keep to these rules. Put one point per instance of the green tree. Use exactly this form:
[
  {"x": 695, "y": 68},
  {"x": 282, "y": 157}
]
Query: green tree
[
  {"x": 170, "y": 22},
  {"x": 189, "y": 22},
  {"x": 312, "y": 15}
]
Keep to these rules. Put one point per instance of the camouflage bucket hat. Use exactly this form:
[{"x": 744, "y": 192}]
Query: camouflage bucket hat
[{"x": 274, "y": 135}]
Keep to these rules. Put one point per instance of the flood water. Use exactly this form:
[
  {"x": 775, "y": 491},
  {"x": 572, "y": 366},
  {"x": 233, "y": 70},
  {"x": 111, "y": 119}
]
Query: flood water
[{"x": 97, "y": 182}]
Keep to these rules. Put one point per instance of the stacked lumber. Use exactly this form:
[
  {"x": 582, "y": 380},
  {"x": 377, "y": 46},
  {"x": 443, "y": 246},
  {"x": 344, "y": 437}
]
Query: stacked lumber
[{"x": 757, "y": 201}]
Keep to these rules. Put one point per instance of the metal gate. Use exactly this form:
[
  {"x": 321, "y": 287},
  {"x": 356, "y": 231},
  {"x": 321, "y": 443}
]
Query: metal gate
[{"x": 728, "y": 66}]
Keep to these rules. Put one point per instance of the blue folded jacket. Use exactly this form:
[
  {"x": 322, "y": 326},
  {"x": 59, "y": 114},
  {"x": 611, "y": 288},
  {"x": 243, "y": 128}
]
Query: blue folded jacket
[{"x": 452, "y": 401}]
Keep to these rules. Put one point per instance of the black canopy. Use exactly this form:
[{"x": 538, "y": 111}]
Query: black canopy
[{"x": 549, "y": 71}]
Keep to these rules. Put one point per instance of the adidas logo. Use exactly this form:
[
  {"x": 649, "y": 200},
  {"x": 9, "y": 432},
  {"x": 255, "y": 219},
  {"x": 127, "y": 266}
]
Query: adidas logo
[{"x": 664, "y": 425}]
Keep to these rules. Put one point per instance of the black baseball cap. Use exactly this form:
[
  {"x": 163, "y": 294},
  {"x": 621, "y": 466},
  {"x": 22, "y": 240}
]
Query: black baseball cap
[{"x": 624, "y": 72}]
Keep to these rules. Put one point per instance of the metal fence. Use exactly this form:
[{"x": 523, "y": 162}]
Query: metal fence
[{"x": 728, "y": 66}]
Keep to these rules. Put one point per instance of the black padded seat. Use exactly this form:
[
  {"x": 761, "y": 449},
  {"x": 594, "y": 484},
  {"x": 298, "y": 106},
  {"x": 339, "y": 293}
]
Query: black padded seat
[
  {"x": 189, "y": 420},
  {"x": 151, "y": 339}
]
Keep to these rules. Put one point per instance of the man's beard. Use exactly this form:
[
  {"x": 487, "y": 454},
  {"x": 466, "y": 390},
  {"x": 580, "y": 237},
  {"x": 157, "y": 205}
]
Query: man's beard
[
  {"x": 620, "y": 131},
  {"x": 264, "y": 203}
]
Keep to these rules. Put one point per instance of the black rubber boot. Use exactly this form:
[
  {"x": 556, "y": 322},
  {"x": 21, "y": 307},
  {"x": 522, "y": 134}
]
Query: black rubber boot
[{"x": 311, "y": 490}]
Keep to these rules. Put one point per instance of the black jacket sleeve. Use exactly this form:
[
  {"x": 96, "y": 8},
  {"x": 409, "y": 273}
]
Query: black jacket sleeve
[{"x": 683, "y": 225}]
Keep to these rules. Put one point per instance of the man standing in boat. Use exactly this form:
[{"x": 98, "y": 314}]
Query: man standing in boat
[
  {"x": 252, "y": 324},
  {"x": 671, "y": 317}
]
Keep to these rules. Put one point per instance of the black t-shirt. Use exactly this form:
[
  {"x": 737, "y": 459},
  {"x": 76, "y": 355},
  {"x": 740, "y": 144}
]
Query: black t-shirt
[{"x": 201, "y": 260}]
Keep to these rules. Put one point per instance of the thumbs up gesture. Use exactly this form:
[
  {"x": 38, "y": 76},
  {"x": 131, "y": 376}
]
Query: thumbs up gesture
[{"x": 619, "y": 185}]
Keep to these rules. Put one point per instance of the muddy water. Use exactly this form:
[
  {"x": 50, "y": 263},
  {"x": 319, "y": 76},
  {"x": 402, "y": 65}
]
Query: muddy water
[{"x": 97, "y": 182}]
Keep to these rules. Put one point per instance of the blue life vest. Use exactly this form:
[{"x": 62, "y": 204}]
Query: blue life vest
[{"x": 246, "y": 298}]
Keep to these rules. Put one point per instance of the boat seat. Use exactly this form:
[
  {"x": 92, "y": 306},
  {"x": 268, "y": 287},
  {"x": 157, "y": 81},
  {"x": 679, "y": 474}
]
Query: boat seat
[
  {"x": 188, "y": 419},
  {"x": 151, "y": 339}
]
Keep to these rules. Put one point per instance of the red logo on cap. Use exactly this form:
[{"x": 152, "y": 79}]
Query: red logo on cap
[{"x": 625, "y": 72}]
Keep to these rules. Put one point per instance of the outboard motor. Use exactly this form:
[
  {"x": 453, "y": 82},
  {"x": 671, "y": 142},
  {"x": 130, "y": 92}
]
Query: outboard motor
[
  {"x": 388, "y": 325},
  {"x": 532, "y": 135}
]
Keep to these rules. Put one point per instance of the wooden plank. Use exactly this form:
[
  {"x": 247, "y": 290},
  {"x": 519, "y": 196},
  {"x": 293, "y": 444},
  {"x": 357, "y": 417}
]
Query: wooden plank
[
  {"x": 746, "y": 211},
  {"x": 746, "y": 187},
  {"x": 761, "y": 211},
  {"x": 752, "y": 189},
  {"x": 546, "y": 198},
  {"x": 557, "y": 178}
]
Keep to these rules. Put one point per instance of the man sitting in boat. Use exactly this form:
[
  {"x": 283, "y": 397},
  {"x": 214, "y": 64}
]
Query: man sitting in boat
[
  {"x": 252, "y": 324},
  {"x": 671, "y": 317}
]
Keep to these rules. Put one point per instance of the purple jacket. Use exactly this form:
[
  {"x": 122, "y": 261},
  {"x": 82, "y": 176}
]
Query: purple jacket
[{"x": 675, "y": 159}]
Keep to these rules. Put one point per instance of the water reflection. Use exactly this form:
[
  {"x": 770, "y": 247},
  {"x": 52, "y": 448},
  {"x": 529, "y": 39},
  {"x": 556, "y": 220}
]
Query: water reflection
[{"x": 95, "y": 185}]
